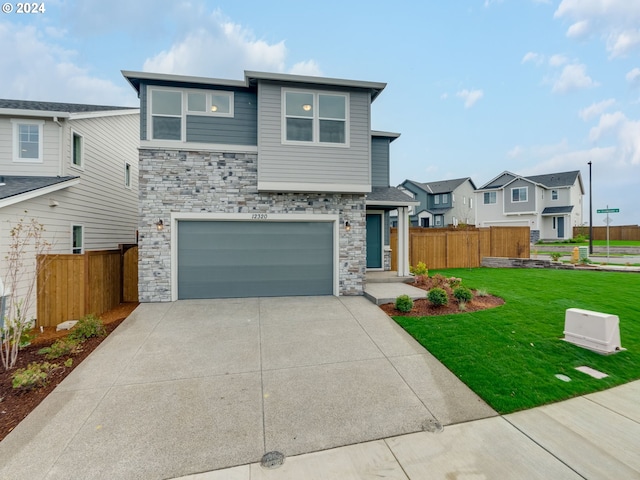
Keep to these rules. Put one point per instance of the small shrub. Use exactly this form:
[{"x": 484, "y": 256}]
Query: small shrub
[
  {"x": 454, "y": 282},
  {"x": 87, "y": 327},
  {"x": 420, "y": 269},
  {"x": 482, "y": 292},
  {"x": 462, "y": 294},
  {"x": 439, "y": 280},
  {"x": 61, "y": 347},
  {"x": 404, "y": 303},
  {"x": 462, "y": 306},
  {"x": 555, "y": 256},
  {"x": 438, "y": 297},
  {"x": 35, "y": 375},
  {"x": 68, "y": 362}
]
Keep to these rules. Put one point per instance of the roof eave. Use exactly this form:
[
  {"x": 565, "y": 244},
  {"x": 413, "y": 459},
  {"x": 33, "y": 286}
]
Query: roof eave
[{"x": 38, "y": 192}]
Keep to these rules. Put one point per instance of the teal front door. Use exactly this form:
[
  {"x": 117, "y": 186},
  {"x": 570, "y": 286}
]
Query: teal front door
[
  {"x": 560, "y": 227},
  {"x": 374, "y": 240}
]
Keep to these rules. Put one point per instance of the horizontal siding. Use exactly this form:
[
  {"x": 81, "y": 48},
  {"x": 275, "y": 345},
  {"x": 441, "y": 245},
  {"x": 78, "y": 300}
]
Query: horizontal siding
[
  {"x": 51, "y": 151},
  {"x": 312, "y": 164},
  {"x": 528, "y": 206},
  {"x": 380, "y": 162}
]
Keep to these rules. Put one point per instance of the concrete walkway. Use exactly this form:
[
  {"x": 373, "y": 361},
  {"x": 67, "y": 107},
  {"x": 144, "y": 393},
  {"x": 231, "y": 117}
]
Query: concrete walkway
[
  {"x": 195, "y": 386},
  {"x": 593, "y": 437}
]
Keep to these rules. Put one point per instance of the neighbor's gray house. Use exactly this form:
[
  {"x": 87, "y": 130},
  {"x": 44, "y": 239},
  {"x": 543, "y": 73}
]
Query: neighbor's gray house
[
  {"x": 74, "y": 169},
  {"x": 442, "y": 203},
  {"x": 550, "y": 205},
  {"x": 269, "y": 186}
]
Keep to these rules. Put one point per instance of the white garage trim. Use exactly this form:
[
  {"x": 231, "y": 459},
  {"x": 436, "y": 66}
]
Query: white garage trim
[{"x": 252, "y": 217}]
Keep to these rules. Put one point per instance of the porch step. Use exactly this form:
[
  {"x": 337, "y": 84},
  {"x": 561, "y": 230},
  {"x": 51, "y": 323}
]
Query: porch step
[{"x": 386, "y": 277}]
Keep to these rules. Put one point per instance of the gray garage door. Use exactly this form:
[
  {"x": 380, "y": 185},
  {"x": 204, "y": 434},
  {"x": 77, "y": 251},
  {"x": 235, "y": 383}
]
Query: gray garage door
[{"x": 254, "y": 259}]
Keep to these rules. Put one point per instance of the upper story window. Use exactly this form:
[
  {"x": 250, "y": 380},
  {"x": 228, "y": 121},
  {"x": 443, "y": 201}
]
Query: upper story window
[
  {"x": 27, "y": 140},
  {"x": 519, "y": 194},
  {"x": 127, "y": 175},
  {"x": 314, "y": 117},
  {"x": 554, "y": 194},
  {"x": 169, "y": 108},
  {"x": 77, "y": 152},
  {"x": 489, "y": 198},
  {"x": 445, "y": 198},
  {"x": 436, "y": 199},
  {"x": 77, "y": 239}
]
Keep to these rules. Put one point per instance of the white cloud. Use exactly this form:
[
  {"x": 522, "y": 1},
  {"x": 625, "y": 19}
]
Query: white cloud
[
  {"x": 595, "y": 109},
  {"x": 573, "y": 77},
  {"x": 616, "y": 22},
  {"x": 488, "y": 3},
  {"x": 66, "y": 80},
  {"x": 515, "y": 152},
  {"x": 624, "y": 133},
  {"x": 607, "y": 123},
  {"x": 228, "y": 48},
  {"x": 470, "y": 97},
  {"x": 557, "y": 60},
  {"x": 444, "y": 96},
  {"x": 533, "y": 57},
  {"x": 633, "y": 77}
]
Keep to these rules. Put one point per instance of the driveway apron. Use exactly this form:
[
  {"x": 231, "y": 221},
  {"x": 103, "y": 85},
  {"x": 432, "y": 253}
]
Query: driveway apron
[{"x": 199, "y": 385}]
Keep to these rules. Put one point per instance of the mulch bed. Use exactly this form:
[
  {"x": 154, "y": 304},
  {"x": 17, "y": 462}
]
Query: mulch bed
[
  {"x": 424, "y": 308},
  {"x": 16, "y": 404}
]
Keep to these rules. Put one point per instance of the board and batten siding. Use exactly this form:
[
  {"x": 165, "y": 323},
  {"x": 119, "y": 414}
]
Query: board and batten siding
[
  {"x": 380, "y": 161},
  {"x": 307, "y": 164},
  {"x": 50, "y": 166},
  {"x": 515, "y": 207}
]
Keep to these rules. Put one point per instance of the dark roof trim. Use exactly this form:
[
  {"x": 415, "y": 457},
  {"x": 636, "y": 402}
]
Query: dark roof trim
[{"x": 15, "y": 189}]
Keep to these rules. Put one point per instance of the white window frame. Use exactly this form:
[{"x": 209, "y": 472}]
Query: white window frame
[
  {"x": 75, "y": 135},
  {"x": 445, "y": 198},
  {"x": 73, "y": 249},
  {"x": 16, "y": 140},
  {"x": 438, "y": 220},
  {"x": 315, "y": 136},
  {"x": 127, "y": 175},
  {"x": 436, "y": 199},
  {"x": 492, "y": 196},
  {"x": 555, "y": 195},
  {"x": 185, "y": 109},
  {"x": 520, "y": 189}
]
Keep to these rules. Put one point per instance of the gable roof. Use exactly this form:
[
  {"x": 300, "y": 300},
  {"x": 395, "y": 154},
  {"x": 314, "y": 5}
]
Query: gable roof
[
  {"x": 389, "y": 196},
  {"x": 30, "y": 108},
  {"x": 441, "y": 186},
  {"x": 550, "y": 180},
  {"x": 252, "y": 78},
  {"x": 15, "y": 188}
]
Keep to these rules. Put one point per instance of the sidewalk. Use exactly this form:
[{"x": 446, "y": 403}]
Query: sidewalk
[{"x": 592, "y": 437}]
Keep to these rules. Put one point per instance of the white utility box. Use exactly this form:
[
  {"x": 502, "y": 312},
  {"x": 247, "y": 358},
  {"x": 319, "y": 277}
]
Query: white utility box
[{"x": 599, "y": 332}]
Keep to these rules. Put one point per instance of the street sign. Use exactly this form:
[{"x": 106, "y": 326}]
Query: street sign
[{"x": 608, "y": 210}]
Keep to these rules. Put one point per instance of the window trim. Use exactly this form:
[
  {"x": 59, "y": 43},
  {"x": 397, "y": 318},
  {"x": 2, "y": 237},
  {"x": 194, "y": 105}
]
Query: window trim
[
  {"x": 127, "y": 175},
  {"x": 16, "y": 140},
  {"x": 492, "y": 195},
  {"x": 315, "y": 135},
  {"x": 556, "y": 193},
  {"x": 184, "y": 109},
  {"x": 436, "y": 199},
  {"x": 75, "y": 134},
  {"x": 73, "y": 249},
  {"x": 526, "y": 194},
  {"x": 445, "y": 198}
]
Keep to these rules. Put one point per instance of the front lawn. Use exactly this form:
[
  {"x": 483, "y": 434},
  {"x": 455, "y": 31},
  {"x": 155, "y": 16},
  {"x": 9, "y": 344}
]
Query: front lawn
[
  {"x": 596, "y": 243},
  {"x": 510, "y": 355}
]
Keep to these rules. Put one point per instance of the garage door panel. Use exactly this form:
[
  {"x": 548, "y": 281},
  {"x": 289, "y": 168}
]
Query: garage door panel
[{"x": 245, "y": 259}]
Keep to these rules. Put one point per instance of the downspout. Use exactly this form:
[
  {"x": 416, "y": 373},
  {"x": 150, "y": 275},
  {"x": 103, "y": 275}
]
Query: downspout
[{"x": 60, "y": 172}]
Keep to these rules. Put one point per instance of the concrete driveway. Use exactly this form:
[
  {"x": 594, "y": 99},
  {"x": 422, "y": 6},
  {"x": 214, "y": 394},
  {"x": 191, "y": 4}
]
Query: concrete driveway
[{"x": 193, "y": 386}]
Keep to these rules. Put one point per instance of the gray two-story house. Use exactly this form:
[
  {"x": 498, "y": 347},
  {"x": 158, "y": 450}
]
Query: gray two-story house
[
  {"x": 270, "y": 186},
  {"x": 442, "y": 203}
]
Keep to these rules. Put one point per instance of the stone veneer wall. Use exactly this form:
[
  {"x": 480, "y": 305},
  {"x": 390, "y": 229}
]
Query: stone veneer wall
[{"x": 204, "y": 182}]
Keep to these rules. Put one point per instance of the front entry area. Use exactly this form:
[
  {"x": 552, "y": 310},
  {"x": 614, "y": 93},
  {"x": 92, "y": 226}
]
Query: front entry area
[{"x": 231, "y": 259}]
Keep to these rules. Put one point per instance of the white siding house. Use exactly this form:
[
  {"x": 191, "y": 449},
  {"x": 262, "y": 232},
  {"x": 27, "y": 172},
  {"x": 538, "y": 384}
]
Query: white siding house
[
  {"x": 550, "y": 205},
  {"x": 74, "y": 169}
]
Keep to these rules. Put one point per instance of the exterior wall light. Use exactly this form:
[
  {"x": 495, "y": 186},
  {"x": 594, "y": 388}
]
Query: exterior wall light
[
  {"x": 347, "y": 226},
  {"x": 160, "y": 225}
]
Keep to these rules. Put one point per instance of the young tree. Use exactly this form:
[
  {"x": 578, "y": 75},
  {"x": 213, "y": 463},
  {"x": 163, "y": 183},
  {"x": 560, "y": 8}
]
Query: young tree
[{"x": 26, "y": 242}]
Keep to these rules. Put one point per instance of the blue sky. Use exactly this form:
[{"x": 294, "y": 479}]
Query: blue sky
[{"x": 475, "y": 87}]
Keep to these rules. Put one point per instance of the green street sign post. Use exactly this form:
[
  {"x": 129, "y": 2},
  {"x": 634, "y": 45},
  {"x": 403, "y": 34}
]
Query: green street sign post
[{"x": 608, "y": 221}]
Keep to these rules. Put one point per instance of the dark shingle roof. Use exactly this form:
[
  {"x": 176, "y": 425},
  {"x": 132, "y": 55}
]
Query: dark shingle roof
[
  {"x": 562, "y": 179},
  {"x": 388, "y": 194},
  {"x": 17, "y": 185},
  {"x": 442, "y": 186},
  {"x": 557, "y": 210},
  {"x": 56, "y": 106}
]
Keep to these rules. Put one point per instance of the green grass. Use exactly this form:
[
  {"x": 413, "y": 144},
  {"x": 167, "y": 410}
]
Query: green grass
[{"x": 510, "y": 355}]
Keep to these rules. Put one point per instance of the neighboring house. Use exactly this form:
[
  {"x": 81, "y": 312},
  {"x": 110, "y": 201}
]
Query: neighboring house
[
  {"x": 74, "y": 169},
  {"x": 443, "y": 203},
  {"x": 274, "y": 185},
  {"x": 550, "y": 205}
]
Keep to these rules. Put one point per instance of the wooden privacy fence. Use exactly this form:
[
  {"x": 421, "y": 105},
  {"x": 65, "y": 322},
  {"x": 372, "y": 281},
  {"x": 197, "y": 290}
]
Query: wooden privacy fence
[
  {"x": 454, "y": 248},
  {"x": 71, "y": 286},
  {"x": 618, "y": 232}
]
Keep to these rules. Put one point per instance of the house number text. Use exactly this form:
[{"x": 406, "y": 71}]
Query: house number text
[{"x": 259, "y": 216}]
